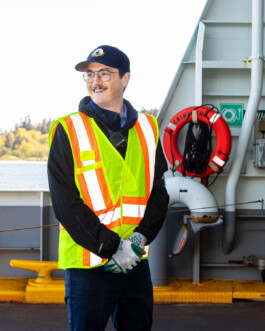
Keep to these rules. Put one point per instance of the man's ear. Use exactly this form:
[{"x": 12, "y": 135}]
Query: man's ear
[{"x": 126, "y": 77}]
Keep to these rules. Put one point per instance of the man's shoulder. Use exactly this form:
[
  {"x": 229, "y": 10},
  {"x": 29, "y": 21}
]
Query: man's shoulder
[
  {"x": 67, "y": 115},
  {"x": 59, "y": 124},
  {"x": 149, "y": 116}
]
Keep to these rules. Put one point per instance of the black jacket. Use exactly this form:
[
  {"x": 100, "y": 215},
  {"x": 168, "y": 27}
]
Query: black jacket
[{"x": 77, "y": 218}]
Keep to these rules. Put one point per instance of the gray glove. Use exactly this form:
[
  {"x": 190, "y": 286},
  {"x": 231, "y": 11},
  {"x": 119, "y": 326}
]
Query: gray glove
[
  {"x": 138, "y": 239},
  {"x": 125, "y": 258}
]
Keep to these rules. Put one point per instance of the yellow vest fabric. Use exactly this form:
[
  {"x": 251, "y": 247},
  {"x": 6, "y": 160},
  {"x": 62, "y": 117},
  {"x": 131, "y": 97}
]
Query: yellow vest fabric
[{"x": 115, "y": 189}]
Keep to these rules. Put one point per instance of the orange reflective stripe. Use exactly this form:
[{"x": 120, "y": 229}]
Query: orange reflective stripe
[
  {"x": 150, "y": 141},
  {"x": 146, "y": 157},
  {"x": 135, "y": 200},
  {"x": 53, "y": 131},
  {"x": 114, "y": 224},
  {"x": 152, "y": 124},
  {"x": 91, "y": 259},
  {"x": 110, "y": 214},
  {"x": 88, "y": 141},
  {"x": 84, "y": 190},
  {"x": 74, "y": 140},
  {"x": 99, "y": 171},
  {"x": 61, "y": 227},
  {"x": 104, "y": 187},
  {"x": 131, "y": 220},
  {"x": 91, "y": 135},
  {"x": 92, "y": 181},
  {"x": 86, "y": 257}
]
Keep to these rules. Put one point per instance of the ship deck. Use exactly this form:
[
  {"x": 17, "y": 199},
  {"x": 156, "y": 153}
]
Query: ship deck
[{"x": 229, "y": 317}]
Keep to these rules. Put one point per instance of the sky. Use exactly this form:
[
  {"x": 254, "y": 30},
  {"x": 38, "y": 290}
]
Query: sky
[{"x": 43, "y": 40}]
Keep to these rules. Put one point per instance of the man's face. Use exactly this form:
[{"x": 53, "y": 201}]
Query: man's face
[{"x": 107, "y": 95}]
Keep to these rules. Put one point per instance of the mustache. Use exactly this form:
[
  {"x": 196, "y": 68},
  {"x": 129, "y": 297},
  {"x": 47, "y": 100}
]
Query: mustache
[{"x": 97, "y": 87}]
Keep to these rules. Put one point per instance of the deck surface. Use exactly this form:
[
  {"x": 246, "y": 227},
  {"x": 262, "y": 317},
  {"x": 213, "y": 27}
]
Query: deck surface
[{"x": 218, "y": 317}]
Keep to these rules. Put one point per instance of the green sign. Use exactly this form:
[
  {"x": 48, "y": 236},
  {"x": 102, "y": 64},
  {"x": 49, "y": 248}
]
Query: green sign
[
  {"x": 261, "y": 115},
  {"x": 232, "y": 113}
]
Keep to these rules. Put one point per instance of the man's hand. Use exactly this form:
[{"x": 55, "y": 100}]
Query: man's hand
[
  {"x": 125, "y": 258},
  {"x": 138, "y": 239}
]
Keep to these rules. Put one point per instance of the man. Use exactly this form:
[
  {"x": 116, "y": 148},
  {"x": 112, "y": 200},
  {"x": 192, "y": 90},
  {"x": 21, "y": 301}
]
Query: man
[{"x": 104, "y": 170}]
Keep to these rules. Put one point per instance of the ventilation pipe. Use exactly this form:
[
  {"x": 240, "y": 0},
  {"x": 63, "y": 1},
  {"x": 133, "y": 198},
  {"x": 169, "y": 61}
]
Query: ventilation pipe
[
  {"x": 249, "y": 118},
  {"x": 201, "y": 204},
  {"x": 193, "y": 194},
  {"x": 199, "y": 201}
]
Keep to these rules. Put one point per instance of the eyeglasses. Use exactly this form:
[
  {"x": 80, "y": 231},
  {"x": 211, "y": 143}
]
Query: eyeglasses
[{"x": 103, "y": 75}]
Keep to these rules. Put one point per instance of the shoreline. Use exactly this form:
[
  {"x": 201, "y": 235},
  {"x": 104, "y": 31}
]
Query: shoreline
[{"x": 22, "y": 162}]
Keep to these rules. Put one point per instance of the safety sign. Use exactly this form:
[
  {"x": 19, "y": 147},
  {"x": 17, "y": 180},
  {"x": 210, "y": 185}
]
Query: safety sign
[{"x": 232, "y": 113}]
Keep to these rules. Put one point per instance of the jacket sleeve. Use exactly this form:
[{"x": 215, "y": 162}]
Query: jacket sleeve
[
  {"x": 77, "y": 218},
  {"x": 157, "y": 205}
]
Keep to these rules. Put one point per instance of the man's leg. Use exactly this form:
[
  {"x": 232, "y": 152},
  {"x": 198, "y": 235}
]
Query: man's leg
[
  {"x": 134, "y": 311},
  {"x": 90, "y": 296}
]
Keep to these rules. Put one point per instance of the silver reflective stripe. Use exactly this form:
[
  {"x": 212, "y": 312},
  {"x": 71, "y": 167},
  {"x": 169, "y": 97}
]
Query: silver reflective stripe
[
  {"x": 129, "y": 210},
  {"x": 94, "y": 190},
  {"x": 95, "y": 260},
  {"x": 90, "y": 176},
  {"x": 171, "y": 126},
  {"x": 110, "y": 216},
  {"x": 218, "y": 161},
  {"x": 84, "y": 143},
  {"x": 151, "y": 144},
  {"x": 214, "y": 118}
]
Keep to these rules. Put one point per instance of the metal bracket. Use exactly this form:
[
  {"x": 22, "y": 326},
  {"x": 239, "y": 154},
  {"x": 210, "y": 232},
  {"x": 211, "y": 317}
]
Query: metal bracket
[{"x": 255, "y": 57}]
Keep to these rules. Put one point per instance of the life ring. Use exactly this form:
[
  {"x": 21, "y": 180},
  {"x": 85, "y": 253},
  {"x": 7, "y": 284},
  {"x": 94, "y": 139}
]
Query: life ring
[{"x": 207, "y": 115}]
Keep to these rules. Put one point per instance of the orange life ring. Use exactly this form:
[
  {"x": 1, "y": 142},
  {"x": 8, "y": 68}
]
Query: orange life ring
[{"x": 207, "y": 115}]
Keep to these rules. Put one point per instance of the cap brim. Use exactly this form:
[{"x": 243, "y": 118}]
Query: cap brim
[{"x": 82, "y": 66}]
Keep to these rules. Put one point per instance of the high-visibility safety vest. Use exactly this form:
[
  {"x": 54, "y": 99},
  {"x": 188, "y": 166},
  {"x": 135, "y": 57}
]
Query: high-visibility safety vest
[{"x": 115, "y": 189}]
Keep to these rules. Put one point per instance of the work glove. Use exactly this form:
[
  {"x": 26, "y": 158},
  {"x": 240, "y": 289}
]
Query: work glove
[
  {"x": 138, "y": 239},
  {"x": 125, "y": 258}
]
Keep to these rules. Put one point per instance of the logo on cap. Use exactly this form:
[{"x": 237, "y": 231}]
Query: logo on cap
[{"x": 98, "y": 52}]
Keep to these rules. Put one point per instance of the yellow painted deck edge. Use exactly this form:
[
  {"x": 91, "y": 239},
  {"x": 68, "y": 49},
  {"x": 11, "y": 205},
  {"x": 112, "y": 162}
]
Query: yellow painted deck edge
[
  {"x": 12, "y": 289},
  {"x": 176, "y": 291}
]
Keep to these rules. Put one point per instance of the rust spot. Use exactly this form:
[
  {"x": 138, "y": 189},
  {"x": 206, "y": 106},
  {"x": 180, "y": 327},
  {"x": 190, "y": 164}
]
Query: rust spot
[{"x": 245, "y": 64}]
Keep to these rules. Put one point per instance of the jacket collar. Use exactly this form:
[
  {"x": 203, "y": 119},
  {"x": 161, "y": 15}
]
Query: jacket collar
[{"x": 110, "y": 119}]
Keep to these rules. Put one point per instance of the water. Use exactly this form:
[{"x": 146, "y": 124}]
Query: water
[{"x": 23, "y": 175}]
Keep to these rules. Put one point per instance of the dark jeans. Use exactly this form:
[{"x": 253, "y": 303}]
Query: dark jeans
[{"x": 93, "y": 295}]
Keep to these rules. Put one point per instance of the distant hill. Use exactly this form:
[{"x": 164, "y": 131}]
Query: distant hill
[
  {"x": 153, "y": 111},
  {"x": 29, "y": 142},
  {"x": 26, "y": 142}
]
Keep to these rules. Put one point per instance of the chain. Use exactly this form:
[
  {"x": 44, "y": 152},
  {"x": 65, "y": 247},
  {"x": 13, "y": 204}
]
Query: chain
[
  {"x": 169, "y": 212},
  {"x": 232, "y": 204},
  {"x": 29, "y": 228}
]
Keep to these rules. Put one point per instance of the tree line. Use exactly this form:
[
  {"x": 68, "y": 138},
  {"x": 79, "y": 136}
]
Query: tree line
[{"x": 27, "y": 141}]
